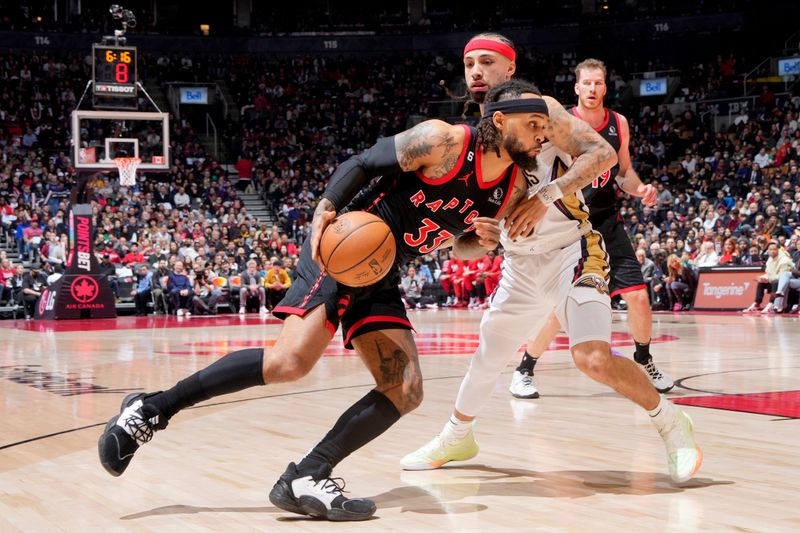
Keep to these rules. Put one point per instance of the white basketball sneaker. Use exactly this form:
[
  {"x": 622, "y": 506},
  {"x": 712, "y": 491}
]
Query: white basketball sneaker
[
  {"x": 660, "y": 380},
  {"x": 683, "y": 454},
  {"x": 522, "y": 386},
  {"x": 439, "y": 451},
  {"x": 318, "y": 495}
]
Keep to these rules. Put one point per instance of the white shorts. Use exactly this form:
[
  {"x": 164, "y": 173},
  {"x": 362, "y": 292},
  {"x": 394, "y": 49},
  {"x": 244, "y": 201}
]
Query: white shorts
[
  {"x": 565, "y": 280},
  {"x": 571, "y": 280}
]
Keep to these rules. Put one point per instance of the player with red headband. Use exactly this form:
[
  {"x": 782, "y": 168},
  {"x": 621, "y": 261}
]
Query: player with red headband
[{"x": 489, "y": 59}]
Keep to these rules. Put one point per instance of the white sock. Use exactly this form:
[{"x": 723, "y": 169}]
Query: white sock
[
  {"x": 663, "y": 415},
  {"x": 455, "y": 429}
]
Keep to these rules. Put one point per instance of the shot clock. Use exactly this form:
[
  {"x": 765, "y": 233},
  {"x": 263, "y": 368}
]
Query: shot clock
[{"x": 114, "y": 70}]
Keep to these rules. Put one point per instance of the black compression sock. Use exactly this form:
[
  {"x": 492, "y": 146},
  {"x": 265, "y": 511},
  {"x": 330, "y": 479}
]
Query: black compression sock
[
  {"x": 642, "y": 353},
  {"x": 234, "y": 372},
  {"x": 361, "y": 423},
  {"x": 527, "y": 364}
]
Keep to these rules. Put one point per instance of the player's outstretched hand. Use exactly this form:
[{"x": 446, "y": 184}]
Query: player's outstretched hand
[
  {"x": 648, "y": 194},
  {"x": 323, "y": 215},
  {"x": 525, "y": 216},
  {"x": 488, "y": 232}
]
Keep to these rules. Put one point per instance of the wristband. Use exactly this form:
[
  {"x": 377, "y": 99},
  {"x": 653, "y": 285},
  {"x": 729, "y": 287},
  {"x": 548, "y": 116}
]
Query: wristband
[{"x": 550, "y": 193}]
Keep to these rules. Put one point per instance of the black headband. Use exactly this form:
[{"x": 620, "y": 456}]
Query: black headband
[{"x": 521, "y": 105}]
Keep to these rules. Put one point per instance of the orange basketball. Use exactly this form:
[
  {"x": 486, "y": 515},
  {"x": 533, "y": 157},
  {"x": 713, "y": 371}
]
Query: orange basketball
[{"x": 357, "y": 249}]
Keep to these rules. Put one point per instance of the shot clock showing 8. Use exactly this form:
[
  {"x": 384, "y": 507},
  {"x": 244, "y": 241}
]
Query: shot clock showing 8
[{"x": 114, "y": 70}]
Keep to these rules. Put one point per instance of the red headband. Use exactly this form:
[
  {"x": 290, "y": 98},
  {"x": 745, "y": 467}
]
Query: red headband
[{"x": 490, "y": 44}]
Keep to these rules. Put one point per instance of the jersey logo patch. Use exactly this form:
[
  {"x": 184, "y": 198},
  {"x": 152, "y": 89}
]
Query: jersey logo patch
[
  {"x": 465, "y": 179},
  {"x": 593, "y": 281},
  {"x": 612, "y": 131},
  {"x": 497, "y": 196}
]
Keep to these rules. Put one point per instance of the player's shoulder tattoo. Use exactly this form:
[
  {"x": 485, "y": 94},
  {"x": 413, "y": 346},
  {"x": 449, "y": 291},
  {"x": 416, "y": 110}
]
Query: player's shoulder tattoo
[{"x": 430, "y": 143}]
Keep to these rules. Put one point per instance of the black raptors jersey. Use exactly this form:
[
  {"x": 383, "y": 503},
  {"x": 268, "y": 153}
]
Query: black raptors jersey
[
  {"x": 600, "y": 195},
  {"x": 423, "y": 213}
]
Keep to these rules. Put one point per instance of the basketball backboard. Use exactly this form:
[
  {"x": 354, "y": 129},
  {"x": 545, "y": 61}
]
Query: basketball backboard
[{"x": 100, "y": 136}]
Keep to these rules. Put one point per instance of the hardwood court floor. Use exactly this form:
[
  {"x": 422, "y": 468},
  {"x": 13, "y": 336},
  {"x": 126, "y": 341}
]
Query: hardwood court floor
[{"x": 580, "y": 458}]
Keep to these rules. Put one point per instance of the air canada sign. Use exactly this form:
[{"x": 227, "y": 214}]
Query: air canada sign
[{"x": 83, "y": 291}]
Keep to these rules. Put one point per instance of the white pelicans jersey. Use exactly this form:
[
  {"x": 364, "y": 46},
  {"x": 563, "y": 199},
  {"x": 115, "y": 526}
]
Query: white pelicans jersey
[{"x": 566, "y": 220}]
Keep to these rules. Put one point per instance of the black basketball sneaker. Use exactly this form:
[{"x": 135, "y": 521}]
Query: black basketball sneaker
[
  {"x": 318, "y": 495},
  {"x": 126, "y": 432}
]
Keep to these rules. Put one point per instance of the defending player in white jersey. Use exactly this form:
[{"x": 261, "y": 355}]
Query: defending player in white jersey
[{"x": 561, "y": 265}]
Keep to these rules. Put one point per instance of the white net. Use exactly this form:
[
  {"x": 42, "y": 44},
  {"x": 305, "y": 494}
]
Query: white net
[{"x": 127, "y": 170}]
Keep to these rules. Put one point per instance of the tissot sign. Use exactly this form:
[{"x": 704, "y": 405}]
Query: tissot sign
[{"x": 82, "y": 292}]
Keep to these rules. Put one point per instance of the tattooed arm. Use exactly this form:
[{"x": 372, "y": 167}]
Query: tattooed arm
[
  {"x": 486, "y": 236},
  {"x": 592, "y": 155},
  {"x": 432, "y": 147}
]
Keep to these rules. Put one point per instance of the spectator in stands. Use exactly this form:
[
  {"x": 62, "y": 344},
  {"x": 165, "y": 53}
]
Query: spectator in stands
[
  {"x": 276, "y": 283},
  {"x": 707, "y": 257},
  {"x": 778, "y": 263},
  {"x": 54, "y": 251},
  {"x": 491, "y": 277},
  {"x": 476, "y": 270},
  {"x": 412, "y": 284},
  {"x": 7, "y": 272},
  {"x": 786, "y": 281},
  {"x": 105, "y": 268},
  {"x": 252, "y": 287},
  {"x": 49, "y": 273},
  {"x": 160, "y": 280},
  {"x": 423, "y": 270},
  {"x": 450, "y": 279},
  {"x": 32, "y": 236},
  {"x": 206, "y": 293},
  {"x": 16, "y": 283},
  {"x": 134, "y": 255},
  {"x": 180, "y": 289},
  {"x": 763, "y": 159},
  {"x": 680, "y": 284},
  {"x": 33, "y": 285},
  {"x": 181, "y": 199},
  {"x": 142, "y": 292},
  {"x": 647, "y": 265},
  {"x": 187, "y": 251},
  {"x": 762, "y": 242},
  {"x": 730, "y": 254},
  {"x": 244, "y": 166}
]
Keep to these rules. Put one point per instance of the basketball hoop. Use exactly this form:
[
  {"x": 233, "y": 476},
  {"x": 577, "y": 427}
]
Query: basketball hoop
[{"x": 127, "y": 170}]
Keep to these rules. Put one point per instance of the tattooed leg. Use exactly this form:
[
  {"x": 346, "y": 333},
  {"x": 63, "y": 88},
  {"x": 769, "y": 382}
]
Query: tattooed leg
[{"x": 391, "y": 357}]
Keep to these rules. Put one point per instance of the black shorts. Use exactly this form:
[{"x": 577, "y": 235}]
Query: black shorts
[
  {"x": 358, "y": 309},
  {"x": 626, "y": 272}
]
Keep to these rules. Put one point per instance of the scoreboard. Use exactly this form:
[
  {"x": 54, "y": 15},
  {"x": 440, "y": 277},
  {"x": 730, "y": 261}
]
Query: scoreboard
[{"x": 114, "y": 69}]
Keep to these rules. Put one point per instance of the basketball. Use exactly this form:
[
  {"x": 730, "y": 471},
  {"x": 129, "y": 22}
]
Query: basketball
[{"x": 357, "y": 249}]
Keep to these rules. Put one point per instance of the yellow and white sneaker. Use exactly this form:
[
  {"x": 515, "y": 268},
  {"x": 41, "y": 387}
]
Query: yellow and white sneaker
[
  {"x": 683, "y": 454},
  {"x": 442, "y": 449}
]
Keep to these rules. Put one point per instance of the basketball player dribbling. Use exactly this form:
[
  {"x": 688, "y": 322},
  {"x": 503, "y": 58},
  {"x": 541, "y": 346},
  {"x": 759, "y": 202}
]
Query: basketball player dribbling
[
  {"x": 441, "y": 185},
  {"x": 561, "y": 265},
  {"x": 626, "y": 274}
]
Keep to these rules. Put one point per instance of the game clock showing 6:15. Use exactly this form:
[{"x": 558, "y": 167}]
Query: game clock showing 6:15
[{"x": 114, "y": 70}]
